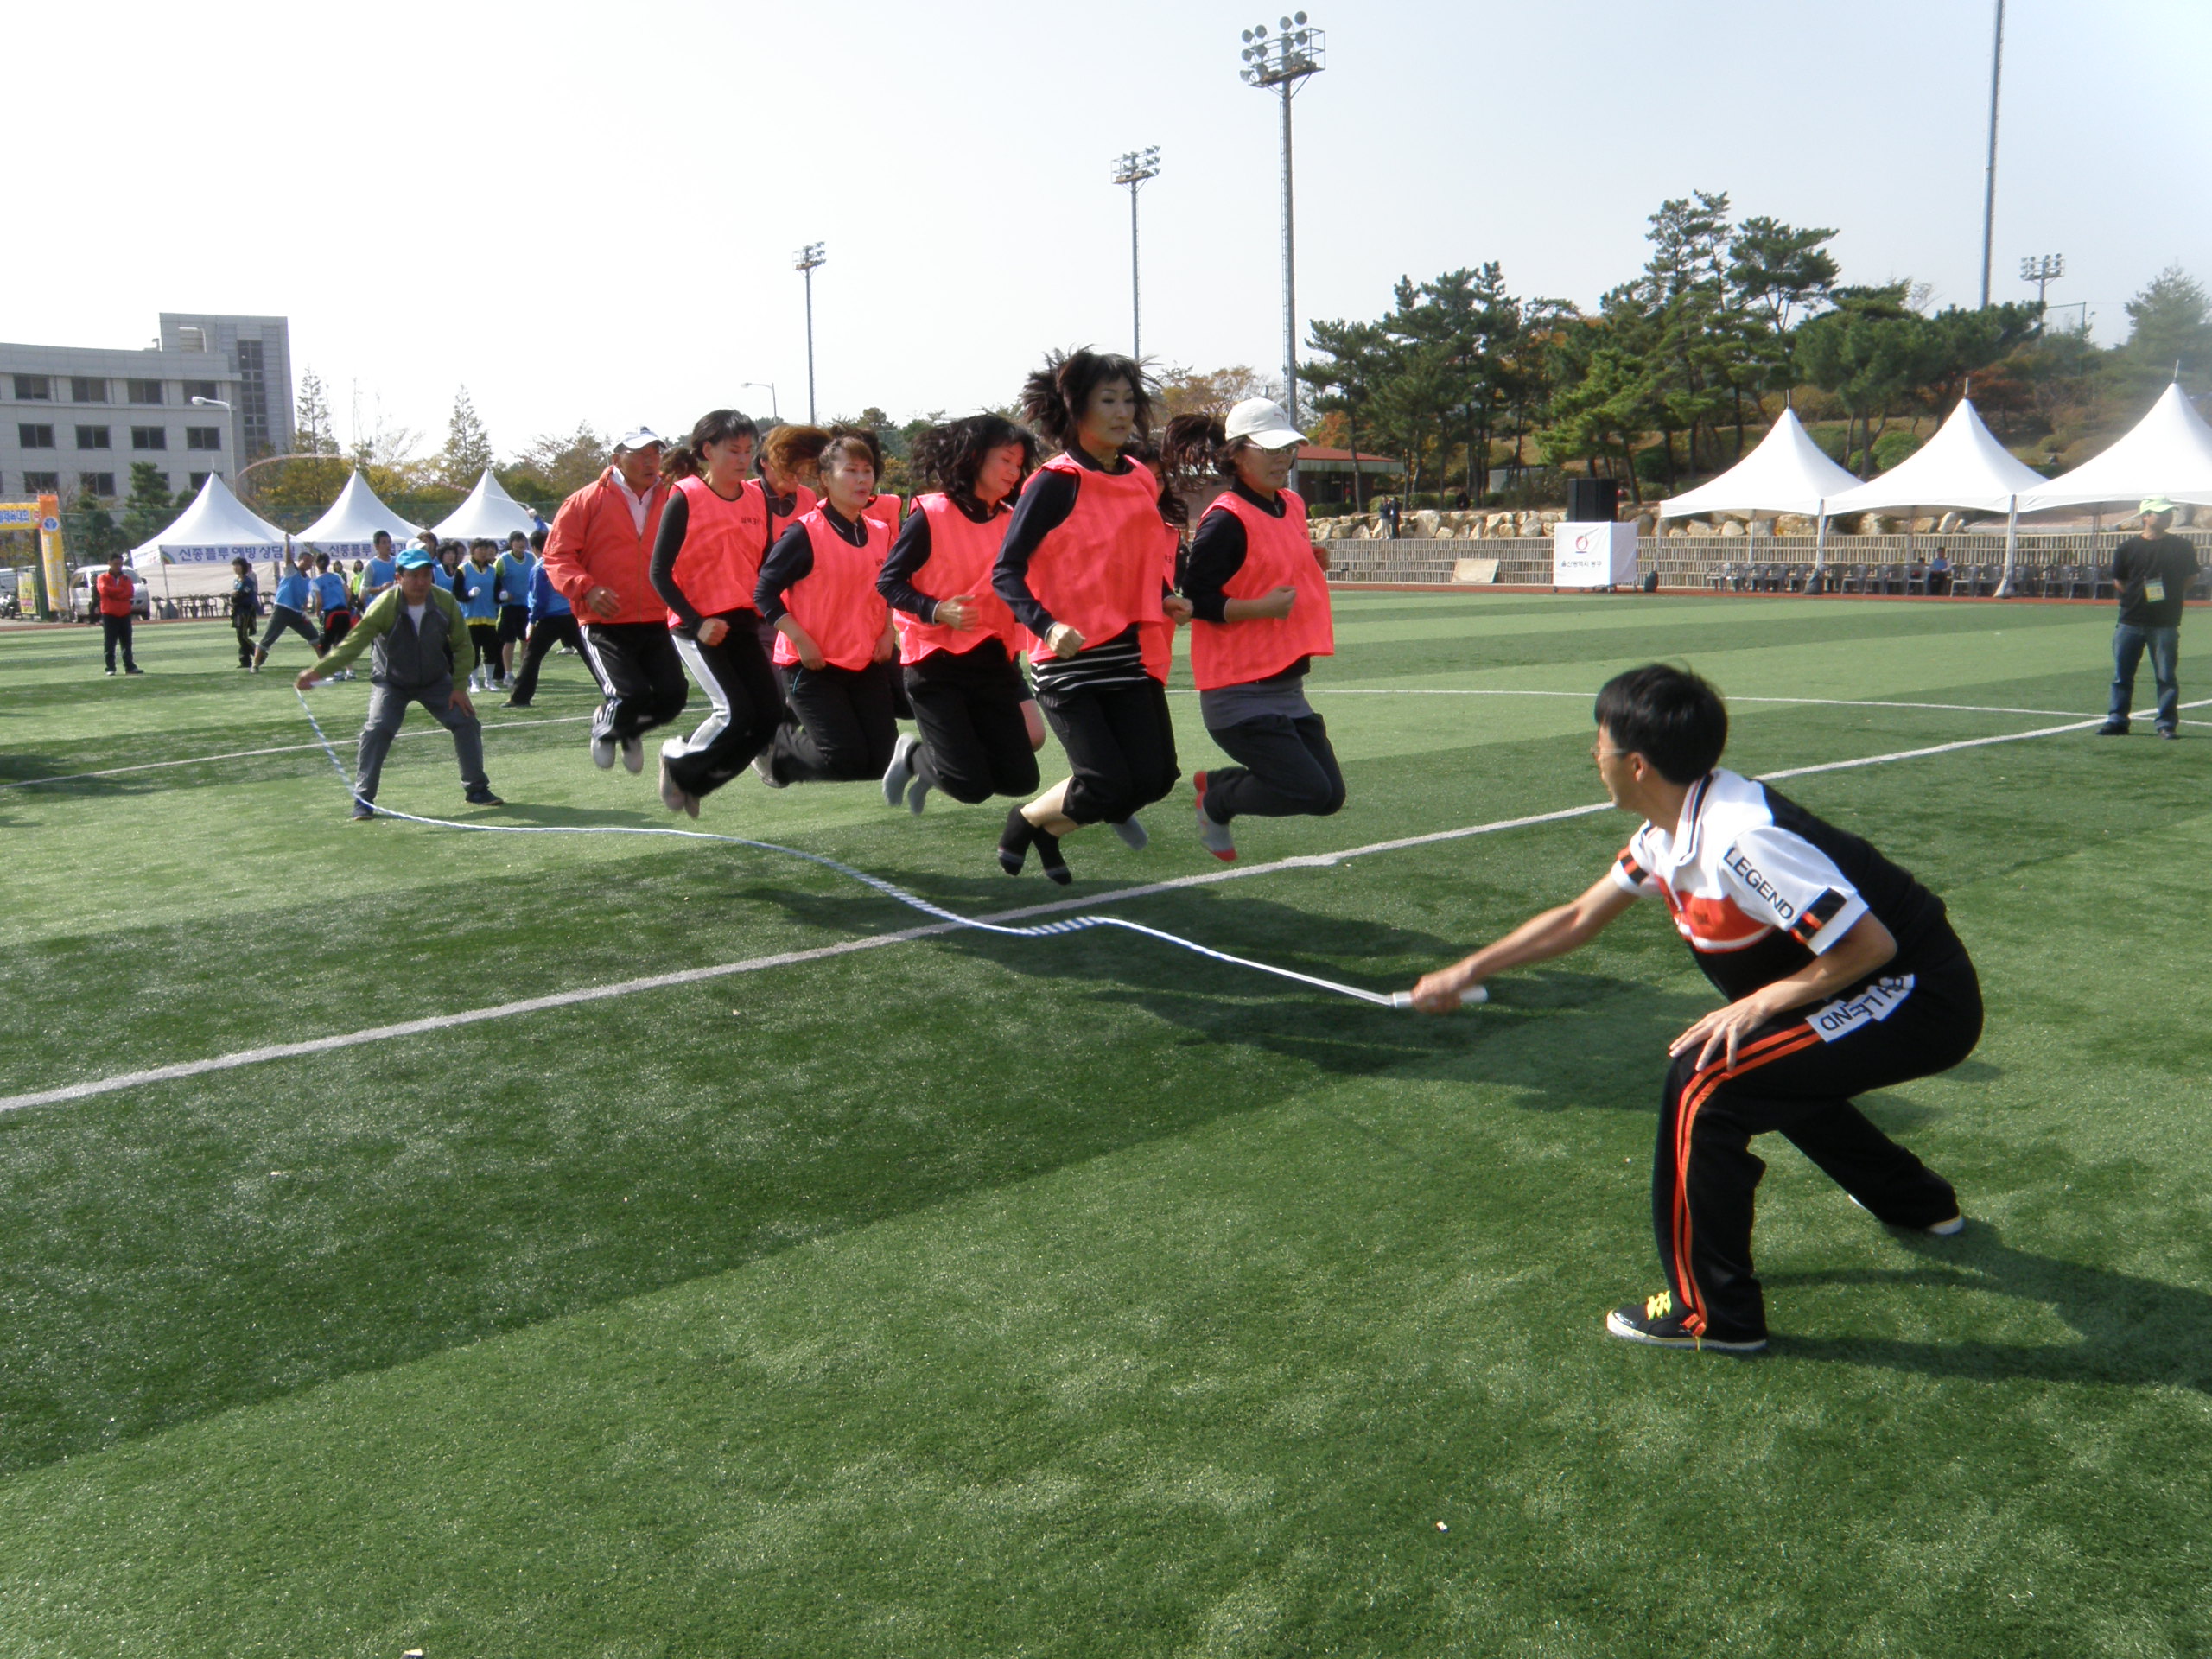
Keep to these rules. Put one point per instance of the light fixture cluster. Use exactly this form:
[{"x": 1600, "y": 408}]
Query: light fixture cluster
[{"x": 1293, "y": 52}]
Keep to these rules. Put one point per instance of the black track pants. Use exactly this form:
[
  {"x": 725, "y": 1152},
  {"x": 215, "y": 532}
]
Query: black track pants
[
  {"x": 1287, "y": 770},
  {"x": 843, "y": 728},
  {"x": 243, "y": 623},
  {"x": 283, "y": 619},
  {"x": 114, "y": 631},
  {"x": 968, "y": 708},
  {"x": 544, "y": 633},
  {"x": 640, "y": 674},
  {"x": 1797, "y": 1075},
  {"x": 1120, "y": 745},
  {"x": 748, "y": 707}
]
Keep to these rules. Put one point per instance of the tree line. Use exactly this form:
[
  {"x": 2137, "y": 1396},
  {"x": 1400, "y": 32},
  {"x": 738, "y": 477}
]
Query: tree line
[{"x": 1680, "y": 369}]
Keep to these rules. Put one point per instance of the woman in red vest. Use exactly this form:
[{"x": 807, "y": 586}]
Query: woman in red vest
[
  {"x": 958, "y": 643},
  {"x": 1084, "y": 568},
  {"x": 835, "y": 638},
  {"x": 789, "y": 467},
  {"x": 705, "y": 563},
  {"x": 1260, "y": 600}
]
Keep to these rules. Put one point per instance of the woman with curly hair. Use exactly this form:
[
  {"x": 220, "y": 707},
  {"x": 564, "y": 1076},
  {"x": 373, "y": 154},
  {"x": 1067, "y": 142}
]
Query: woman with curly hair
[
  {"x": 1085, "y": 568},
  {"x": 1260, "y": 607},
  {"x": 958, "y": 642}
]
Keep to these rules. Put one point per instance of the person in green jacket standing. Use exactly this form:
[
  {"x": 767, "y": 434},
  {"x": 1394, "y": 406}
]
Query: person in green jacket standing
[{"x": 419, "y": 635}]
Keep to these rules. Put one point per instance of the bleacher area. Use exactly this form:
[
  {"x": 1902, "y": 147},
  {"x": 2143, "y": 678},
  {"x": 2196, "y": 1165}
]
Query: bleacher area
[{"x": 2052, "y": 565}]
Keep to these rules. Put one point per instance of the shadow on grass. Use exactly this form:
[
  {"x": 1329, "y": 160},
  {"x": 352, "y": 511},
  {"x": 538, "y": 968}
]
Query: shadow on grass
[{"x": 2133, "y": 1330}]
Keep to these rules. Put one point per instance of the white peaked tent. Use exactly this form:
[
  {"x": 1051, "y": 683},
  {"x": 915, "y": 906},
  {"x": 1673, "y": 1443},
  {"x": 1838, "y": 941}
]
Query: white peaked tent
[
  {"x": 489, "y": 511},
  {"x": 211, "y": 532},
  {"x": 1786, "y": 474},
  {"x": 2168, "y": 452},
  {"x": 1962, "y": 466},
  {"x": 351, "y": 525}
]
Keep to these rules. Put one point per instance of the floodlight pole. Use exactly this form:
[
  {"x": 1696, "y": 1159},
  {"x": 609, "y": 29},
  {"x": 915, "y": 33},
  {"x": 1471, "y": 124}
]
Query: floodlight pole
[
  {"x": 2043, "y": 269},
  {"x": 1283, "y": 64},
  {"x": 775, "y": 413},
  {"x": 1132, "y": 169},
  {"x": 1989, "y": 183},
  {"x": 807, "y": 261}
]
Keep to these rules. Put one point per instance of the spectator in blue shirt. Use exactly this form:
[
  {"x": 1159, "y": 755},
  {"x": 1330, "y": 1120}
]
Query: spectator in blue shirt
[
  {"x": 288, "y": 610},
  {"x": 510, "y": 581},
  {"x": 332, "y": 600},
  {"x": 551, "y": 623},
  {"x": 382, "y": 570},
  {"x": 475, "y": 584}
]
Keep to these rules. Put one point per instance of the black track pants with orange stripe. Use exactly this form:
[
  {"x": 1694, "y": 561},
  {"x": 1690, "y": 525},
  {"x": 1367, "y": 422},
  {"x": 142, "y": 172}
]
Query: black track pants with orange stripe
[{"x": 1790, "y": 1078}]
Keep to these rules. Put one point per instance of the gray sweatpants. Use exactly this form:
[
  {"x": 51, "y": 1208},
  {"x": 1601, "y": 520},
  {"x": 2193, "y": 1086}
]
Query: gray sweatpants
[{"x": 388, "y": 708}]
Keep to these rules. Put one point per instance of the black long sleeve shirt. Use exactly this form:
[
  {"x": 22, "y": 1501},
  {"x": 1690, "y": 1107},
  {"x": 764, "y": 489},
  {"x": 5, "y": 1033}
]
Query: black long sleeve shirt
[
  {"x": 1044, "y": 507},
  {"x": 675, "y": 525},
  {"x": 911, "y": 551},
  {"x": 791, "y": 561},
  {"x": 1218, "y": 554}
]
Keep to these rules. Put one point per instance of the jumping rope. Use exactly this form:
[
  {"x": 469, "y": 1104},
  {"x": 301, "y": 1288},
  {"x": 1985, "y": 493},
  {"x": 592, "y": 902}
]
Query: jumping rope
[{"x": 890, "y": 890}]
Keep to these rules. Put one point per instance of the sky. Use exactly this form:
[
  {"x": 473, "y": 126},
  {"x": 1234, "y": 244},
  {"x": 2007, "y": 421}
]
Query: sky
[{"x": 590, "y": 214}]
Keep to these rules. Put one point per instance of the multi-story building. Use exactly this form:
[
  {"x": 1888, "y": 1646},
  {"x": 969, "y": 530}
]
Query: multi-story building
[{"x": 72, "y": 418}]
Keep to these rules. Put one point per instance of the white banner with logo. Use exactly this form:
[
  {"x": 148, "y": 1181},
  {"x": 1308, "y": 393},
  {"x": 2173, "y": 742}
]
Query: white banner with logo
[{"x": 1593, "y": 555}]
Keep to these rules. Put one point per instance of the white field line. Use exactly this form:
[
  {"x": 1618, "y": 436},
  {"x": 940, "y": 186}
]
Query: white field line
[
  {"x": 281, "y": 748},
  {"x": 754, "y": 964},
  {"x": 1329, "y": 690}
]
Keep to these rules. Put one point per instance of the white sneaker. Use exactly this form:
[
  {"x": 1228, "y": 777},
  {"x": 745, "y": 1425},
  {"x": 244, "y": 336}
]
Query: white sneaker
[
  {"x": 925, "y": 781},
  {"x": 633, "y": 754},
  {"x": 764, "y": 769},
  {"x": 1216, "y": 838},
  {"x": 1949, "y": 1229},
  {"x": 671, "y": 795},
  {"x": 602, "y": 753},
  {"x": 1132, "y": 835},
  {"x": 900, "y": 772}
]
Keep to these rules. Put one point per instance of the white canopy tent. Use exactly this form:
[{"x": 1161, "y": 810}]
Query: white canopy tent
[
  {"x": 199, "y": 546},
  {"x": 1787, "y": 472},
  {"x": 349, "y": 528},
  {"x": 1962, "y": 467},
  {"x": 2168, "y": 452},
  {"x": 489, "y": 511}
]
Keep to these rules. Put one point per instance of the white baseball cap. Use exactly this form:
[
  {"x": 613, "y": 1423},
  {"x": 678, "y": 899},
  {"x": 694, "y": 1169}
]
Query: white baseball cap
[
  {"x": 640, "y": 437},
  {"x": 1261, "y": 421}
]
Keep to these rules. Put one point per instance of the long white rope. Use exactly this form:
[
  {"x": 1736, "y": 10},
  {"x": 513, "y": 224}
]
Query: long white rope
[{"x": 890, "y": 890}]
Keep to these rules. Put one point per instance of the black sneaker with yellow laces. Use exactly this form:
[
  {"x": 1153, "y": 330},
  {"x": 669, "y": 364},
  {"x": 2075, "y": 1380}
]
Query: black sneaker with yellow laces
[{"x": 1654, "y": 1320}]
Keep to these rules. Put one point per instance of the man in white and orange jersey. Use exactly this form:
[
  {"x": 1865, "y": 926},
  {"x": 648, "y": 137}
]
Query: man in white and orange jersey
[{"x": 1842, "y": 976}]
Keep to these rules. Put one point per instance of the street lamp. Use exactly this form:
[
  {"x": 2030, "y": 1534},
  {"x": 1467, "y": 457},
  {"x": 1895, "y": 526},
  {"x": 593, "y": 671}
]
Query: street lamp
[
  {"x": 806, "y": 262},
  {"x": 2043, "y": 269},
  {"x": 768, "y": 386},
  {"x": 1989, "y": 184},
  {"x": 1282, "y": 62},
  {"x": 1132, "y": 169}
]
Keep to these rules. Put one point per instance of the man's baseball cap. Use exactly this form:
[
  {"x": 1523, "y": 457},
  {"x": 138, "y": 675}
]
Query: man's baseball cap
[
  {"x": 2156, "y": 503},
  {"x": 1261, "y": 421},
  {"x": 415, "y": 557},
  {"x": 640, "y": 438}
]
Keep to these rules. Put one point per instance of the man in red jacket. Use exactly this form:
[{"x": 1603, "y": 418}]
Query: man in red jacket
[
  {"x": 115, "y": 592},
  {"x": 599, "y": 556}
]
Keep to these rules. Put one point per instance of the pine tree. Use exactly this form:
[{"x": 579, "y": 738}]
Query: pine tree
[
  {"x": 311, "y": 428},
  {"x": 468, "y": 446},
  {"x": 148, "y": 509}
]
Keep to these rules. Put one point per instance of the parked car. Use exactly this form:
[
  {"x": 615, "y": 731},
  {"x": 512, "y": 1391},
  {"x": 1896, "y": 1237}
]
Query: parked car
[{"x": 83, "y": 606}]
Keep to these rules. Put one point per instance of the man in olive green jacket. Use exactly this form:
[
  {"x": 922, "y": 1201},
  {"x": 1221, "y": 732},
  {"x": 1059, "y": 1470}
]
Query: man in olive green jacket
[{"x": 418, "y": 633}]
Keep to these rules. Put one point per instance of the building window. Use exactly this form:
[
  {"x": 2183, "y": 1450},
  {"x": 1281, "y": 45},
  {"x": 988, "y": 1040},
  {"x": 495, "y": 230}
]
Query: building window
[
  {"x": 197, "y": 479},
  {"x": 83, "y": 391},
  {"x": 100, "y": 484},
  {"x": 35, "y": 388},
  {"x": 254, "y": 392},
  {"x": 207, "y": 389},
  {"x": 203, "y": 438},
  {"x": 145, "y": 392},
  {"x": 94, "y": 438},
  {"x": 41, "y": 483},
  {"x": 39, "y": 436},
  {"x": 191, "y": 338},
  {"x": 149, "y": 437}
]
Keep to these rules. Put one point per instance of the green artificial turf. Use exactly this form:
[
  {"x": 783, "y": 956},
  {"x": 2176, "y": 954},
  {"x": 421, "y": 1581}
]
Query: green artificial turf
[{"x": 973, "y": 1296}]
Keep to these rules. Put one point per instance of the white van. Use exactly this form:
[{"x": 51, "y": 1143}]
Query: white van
[{"x": 84, "y": 603}]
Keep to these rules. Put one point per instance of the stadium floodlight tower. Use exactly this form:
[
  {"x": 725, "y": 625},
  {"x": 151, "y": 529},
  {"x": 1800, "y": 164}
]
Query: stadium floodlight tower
[
  {"x": 1989, "y": 178},
  {"x": 1282, "y": 62},
  {"x": 1132, "y": 169},
  {"x": 808, "y": 260},
  {"x": 2043, "y": 269}
]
